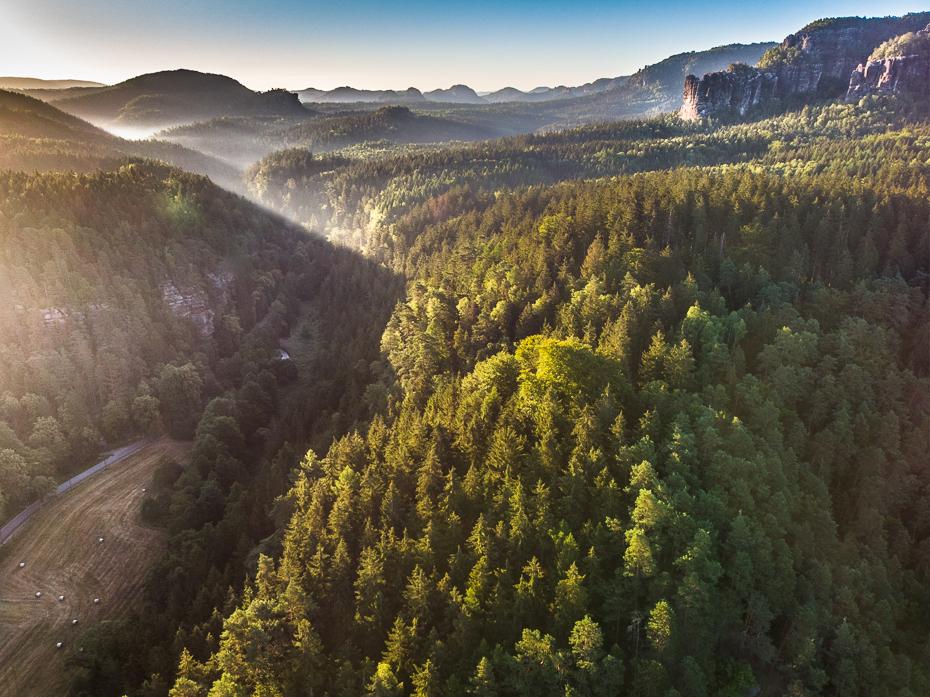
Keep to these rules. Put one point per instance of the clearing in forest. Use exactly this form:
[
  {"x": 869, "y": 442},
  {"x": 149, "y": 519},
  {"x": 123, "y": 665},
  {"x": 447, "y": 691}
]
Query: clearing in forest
[{"x": 64, "y": 557}]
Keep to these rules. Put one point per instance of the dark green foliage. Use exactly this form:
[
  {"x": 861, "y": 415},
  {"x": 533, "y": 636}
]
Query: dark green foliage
[
  {"x": 650, "y": 434},
  {"x": 112, "y": 281},
  {"x": 636, "y": 427}
]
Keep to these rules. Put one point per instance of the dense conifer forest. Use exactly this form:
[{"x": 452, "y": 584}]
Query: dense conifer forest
[{"x": 637, "y": 408}]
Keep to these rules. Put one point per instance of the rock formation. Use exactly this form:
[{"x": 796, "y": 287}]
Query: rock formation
[
  {"x": 738, "y": 88},
  {"x": 808, "y": 57},
  {"x": 818, "y": 59},
  {"x": 906, "y": 73}
]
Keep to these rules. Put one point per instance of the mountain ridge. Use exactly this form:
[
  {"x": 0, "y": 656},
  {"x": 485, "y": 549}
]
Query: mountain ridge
[{"x": 24, "y": 83}]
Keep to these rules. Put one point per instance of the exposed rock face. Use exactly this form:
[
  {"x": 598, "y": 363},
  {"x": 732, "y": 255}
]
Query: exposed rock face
[
  {"x": 192, "y": 305},
  {"x": 195, "y": 304},
  {"x": 819, "y": 58},
  {"x": 910, "y": 74},
  {"x": 902, "y": 74},
  {"x": 816, "y": 55},
  {"x": 737, "y": 89}
]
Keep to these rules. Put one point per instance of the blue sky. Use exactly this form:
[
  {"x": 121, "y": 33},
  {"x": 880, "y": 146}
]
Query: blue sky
[{"x": 387, "y": 45}]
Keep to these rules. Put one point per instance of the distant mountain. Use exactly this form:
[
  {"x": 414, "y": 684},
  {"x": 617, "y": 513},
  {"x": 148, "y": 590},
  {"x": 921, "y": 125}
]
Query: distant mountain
[
  {"x": 457, "y": 94},
  {"x": 33, "y": 83},
  {"x": 508, "y": 94},
  {"x": 653, "y": 90},
  {"x": 170, "y": 98},
  {"x": 545, "y": 94},
  {"x": 37, "y": 136},
  {"x": 350, "y": 95}
]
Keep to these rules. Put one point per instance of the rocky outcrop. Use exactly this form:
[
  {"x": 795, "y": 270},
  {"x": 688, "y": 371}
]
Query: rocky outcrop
[
  {"x": 739, "y": 88},
  {"x": 196, "y": 305},
  {"x": 908, "y": 73},
  {"x": 818, "y": 59},
  {"x": 813, "y": 56}
]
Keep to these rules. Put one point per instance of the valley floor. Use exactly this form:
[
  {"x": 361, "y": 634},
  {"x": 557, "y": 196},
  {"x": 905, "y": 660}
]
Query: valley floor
[{"x": 63, "y": 556}]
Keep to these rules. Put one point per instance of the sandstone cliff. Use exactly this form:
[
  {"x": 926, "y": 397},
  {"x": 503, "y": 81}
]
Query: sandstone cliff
[
  {"x": 908, "y": 73},
  {"x": 818, "y": 59},
  {"x": 738, "y": 88}
]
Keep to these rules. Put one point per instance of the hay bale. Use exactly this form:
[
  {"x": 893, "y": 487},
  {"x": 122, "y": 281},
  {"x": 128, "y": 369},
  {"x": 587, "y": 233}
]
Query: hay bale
[{"x": 39, "y": 594}]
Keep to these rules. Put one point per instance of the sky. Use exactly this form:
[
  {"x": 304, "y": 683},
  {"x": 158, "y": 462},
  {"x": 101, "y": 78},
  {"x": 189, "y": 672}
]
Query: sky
[{"x": 372, "y": 44}]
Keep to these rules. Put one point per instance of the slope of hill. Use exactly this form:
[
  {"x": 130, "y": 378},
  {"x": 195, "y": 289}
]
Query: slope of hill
[
  {"x": 691, "y": 402},
  {"x": 169, "y": 98},
  {"x": 148, "y": 296},
  {"x": 118, "y": 288},
  {"x": 38, "y": 136},
  {"x": 63, "y": 557}
]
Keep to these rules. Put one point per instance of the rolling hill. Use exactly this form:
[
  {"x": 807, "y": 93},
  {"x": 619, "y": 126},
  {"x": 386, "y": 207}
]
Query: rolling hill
[
  {"x": 242, "y": 141},
  {"x": 546, "y": 94},
  {"x": 164, "y": 99},
  {"x": 352, "y": 95}
]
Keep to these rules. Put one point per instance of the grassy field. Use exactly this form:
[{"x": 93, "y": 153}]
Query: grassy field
[{"x": 63, "y": 556}]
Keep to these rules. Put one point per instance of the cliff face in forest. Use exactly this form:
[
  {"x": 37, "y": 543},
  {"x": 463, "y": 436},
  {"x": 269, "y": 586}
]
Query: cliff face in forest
[
  {"x": 884, "y": 74},
  {"x": 738, "y": 88},
  {"x": 818, "y": 59}
]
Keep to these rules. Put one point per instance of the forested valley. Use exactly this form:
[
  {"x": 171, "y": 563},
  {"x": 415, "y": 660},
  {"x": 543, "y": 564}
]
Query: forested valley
[{"x": 634, "y": 408}]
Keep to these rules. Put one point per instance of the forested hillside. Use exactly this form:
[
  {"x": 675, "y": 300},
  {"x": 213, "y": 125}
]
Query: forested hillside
[
  {"x": 121, "y": 291},
  {"x": 659, "y": 434},
  {"x": 37, "y": 136},
  {"x": 360, "y": 201},
  {"x": 635, "y": 408},
  {"x": 245, "y": 140},
  {"x": 147, "y": 299}
]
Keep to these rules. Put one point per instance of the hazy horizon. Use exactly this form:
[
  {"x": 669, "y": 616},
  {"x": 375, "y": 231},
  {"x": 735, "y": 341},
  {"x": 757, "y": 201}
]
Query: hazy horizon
[{"x": 362, "y": 44}]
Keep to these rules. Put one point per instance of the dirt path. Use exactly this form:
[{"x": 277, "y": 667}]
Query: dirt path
[{"x": 63, "y": 556}]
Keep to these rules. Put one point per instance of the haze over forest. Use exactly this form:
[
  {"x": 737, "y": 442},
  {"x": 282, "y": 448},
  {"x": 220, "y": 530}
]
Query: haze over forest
[{"x": 591, "y": 359}]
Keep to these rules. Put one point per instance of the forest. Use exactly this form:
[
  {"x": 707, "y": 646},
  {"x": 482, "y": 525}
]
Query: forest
[
  {"x": 659, "y": 433},
  {"x": 634, "y": 408}
]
